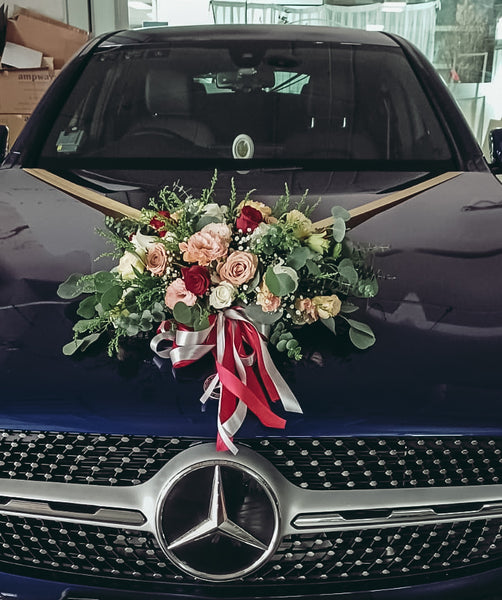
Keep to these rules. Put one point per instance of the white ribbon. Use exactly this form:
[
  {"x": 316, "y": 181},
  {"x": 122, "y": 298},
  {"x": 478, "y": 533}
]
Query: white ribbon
[{"x": 190, "y": 346}]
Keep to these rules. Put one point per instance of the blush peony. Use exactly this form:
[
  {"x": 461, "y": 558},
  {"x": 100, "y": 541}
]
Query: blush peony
[{"x": 206, "y": 245}]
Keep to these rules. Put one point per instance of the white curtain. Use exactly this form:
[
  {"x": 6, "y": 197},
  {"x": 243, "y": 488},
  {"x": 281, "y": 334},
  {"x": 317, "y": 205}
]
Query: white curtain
[{"x": 416, "y": 22}]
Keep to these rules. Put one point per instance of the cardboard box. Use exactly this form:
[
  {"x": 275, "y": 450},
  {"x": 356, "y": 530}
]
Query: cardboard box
[
  {"x": 15, "y": 123},
  {"x": 51, "y": 37},
  {"x": 20, "y": 91}
]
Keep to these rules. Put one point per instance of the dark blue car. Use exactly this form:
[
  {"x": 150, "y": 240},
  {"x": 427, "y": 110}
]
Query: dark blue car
[{"x": 389, "y": 485}]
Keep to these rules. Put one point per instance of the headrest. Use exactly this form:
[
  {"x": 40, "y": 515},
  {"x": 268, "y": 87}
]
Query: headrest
[{"x": 167, "y": 92}]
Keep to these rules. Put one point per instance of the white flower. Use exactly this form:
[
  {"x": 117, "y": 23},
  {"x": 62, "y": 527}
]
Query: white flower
[
  {"x": 222, "y": 295},
  {"x": 215, "y": 211},
  {"x": 258, "y": 233},
  {"x": 128, "y": 262},
  {"x": 142, "y": 243}
]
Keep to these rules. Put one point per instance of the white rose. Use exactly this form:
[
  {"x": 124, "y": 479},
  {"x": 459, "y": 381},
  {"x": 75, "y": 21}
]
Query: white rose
[
  {"x": 215, "y": 211},
  {"x": 142, "y": 243},
  {"x": 128, "y": 261},
  {"x": 222, "y": 295},
  {"x": 259, "y": 232}
]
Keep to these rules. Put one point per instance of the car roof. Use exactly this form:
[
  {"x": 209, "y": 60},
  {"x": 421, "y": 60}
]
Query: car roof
[{"x": 241, "y": 33}]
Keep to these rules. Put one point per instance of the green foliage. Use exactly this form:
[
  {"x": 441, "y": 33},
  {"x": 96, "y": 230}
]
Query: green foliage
[
  {"x": 280, "y": 284},
  {"x": 284, "y": 341}
]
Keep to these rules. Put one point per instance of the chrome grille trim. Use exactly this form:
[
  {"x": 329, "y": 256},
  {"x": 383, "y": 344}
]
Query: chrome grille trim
[{"x": 396, "y": 518}]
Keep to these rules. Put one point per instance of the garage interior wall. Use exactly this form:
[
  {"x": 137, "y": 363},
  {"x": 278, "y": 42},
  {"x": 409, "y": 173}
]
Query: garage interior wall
[{"x": 98, "y": 17}]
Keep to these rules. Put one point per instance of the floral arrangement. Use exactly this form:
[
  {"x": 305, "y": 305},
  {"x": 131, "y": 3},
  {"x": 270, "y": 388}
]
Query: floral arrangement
[{"x": 194, "y": 276}]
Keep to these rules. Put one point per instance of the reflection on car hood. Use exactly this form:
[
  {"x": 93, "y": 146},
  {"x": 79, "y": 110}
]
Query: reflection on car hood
[{"x": 437, "y": 319}]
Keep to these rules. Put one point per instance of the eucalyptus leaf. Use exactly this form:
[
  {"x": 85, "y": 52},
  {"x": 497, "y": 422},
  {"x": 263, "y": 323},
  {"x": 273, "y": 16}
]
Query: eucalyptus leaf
[
  {"x": 280, "y": 284},
  {"x": 361, "y": 335},
  {"x": 70, "y": 288},
  {"x": 290, "y": 344},
  {"x": 103, "y": 280},
  {"x": 183, "y": 314},
  {"x": 206, "y": 220},
  {"x": 330, "y": 324},
  {"x": 84, "y": 325},
  {"x": 111, "y": 297},
  {"x": 347, "y": 271},
  {"x": 339, "y": 229},
  {"x": 81, "y": 344},
  {"x": 87, "y": 307},
  {"x": 299, "y": 256},
  {"x": 339, "y": 212},
  {"x": 348, "y": 307},
  {"x": 281, "y": 345},
  {"x": 313, "y": 268},
  {"x": 256, "y": 314}
]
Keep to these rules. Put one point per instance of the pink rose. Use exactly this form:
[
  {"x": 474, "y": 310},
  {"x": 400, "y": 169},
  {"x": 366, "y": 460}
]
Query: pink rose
[
  {"x": 238, "y": 268},
  {"x": 177, "y": 292},
  {"x": 206, "y": 245},
  {"x": 156, "y": 259},
  {"x": 267, "y": 300}
]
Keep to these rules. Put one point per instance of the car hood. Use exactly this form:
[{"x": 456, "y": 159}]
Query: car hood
[{"x": 435, "y": 367}]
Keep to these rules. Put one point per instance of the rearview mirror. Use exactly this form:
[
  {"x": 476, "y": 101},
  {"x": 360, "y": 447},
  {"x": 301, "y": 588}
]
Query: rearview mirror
[{"x": 4, "y": 141}]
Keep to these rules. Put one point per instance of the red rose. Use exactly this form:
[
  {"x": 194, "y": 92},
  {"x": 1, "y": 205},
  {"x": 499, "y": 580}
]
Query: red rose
[
  {"x": 196, "y": 279},
  {"x": 249, "y": 218},
  {"x": 160, "y": 223}
]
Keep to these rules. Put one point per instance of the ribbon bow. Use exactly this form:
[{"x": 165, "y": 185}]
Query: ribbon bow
[{"x": 240, "y": 389}]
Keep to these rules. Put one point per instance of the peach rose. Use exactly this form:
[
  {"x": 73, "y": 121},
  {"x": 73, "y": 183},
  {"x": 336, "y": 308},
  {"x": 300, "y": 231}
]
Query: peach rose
[
  {"x": 306, "y": 311},
  {"x": 206, "y": 245},
  {"x": 238, "y": 268},
  {"x": 156, "y": 259},
  {"x": 267, "y": 300},
  {"x": 177, "y": 292}
]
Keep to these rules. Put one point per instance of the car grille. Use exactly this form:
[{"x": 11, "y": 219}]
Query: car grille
[
  {"x": 323, "y": 463},
  {"x": 377, "y": 554}
]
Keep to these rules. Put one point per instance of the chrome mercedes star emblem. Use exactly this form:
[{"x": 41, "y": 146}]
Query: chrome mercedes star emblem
[{"x": 219, "y": 521}]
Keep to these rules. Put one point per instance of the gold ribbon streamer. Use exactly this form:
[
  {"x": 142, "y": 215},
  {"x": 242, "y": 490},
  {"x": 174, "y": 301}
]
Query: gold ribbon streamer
[
  {"x": 117, "y": 209},
  {"x": 99, "y": 201},
  {"x": 362, "y": 213}
]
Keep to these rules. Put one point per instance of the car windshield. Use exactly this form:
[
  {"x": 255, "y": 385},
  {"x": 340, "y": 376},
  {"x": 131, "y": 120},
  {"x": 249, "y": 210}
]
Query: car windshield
[{"x": 248, "y": 100}]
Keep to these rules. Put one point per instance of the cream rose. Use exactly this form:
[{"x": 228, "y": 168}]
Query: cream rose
[
  {"x": 302, "y": 225},
  {"x": 127, "y": 263},
  {"x": 327, "y": 306},
  {"x": 156, "y": 259},
  {"x": 239, "y": 267},
  {"x": 222, "y": 295},
  {"x": 177, "y": 292}
]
